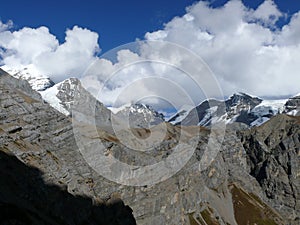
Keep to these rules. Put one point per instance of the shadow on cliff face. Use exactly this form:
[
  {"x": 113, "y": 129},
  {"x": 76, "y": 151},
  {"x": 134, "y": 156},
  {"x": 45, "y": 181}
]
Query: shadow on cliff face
[{"x": 26, "y": 199}]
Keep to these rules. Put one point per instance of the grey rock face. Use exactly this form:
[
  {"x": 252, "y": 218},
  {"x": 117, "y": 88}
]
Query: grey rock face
[
  {"x": 20, "y": 84},
  {"x": 26, "y": 199},
  {"x": 273, "y": 156},
  {"x": 41, "y": 137},
  {"x": 66, "y": 92}
]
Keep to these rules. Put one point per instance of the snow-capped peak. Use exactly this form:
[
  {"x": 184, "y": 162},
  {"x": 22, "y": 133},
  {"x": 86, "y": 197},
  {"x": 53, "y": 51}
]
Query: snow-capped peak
[
  {"x": 37, "y": 81},
  {"x": 240, "y": 108},
  {"x": 266, "y": 109},
  {"x": 115, "y": 110},
  {"x": 136, "y": 108},
  {"x": 296, "y": 95},
  {"x": 61, "y": 95},
  {"x": 138, "y": 114}
]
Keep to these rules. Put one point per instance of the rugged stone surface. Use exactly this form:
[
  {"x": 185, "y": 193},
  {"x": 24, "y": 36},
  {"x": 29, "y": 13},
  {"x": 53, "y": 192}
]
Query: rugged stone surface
[
  {"x": 292, "y": 106},
  {"x": 273, "y": 155},
  {"x": 40, "y": 136},
  {"x": 26, "y": 199}
]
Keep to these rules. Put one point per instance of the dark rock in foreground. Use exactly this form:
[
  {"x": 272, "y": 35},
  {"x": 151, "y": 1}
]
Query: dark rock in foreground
[{"x": 26, "y": 199}]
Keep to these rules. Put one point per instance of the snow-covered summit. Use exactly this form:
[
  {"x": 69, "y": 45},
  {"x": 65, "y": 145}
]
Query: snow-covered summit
[
  {"x": 138, "y": 114},
  {"x": 238, "y": 108},
  {"x": 267, "y": 109},
  {"x": 37, "y": 81}
]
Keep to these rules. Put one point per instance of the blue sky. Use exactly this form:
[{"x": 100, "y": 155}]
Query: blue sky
[{"x": 117, "y": 22}]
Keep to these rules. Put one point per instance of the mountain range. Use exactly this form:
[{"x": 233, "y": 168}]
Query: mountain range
[
  {"x": 252, "y": 179},
  {"x": 240, "y": 110}
]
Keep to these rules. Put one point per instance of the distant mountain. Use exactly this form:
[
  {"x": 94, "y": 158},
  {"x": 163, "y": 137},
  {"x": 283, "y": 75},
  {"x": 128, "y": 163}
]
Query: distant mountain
[
  {"x": 239, "y": 108},
  {"x": 61, "y": 96},
  {"x": 138, "y": 115}
]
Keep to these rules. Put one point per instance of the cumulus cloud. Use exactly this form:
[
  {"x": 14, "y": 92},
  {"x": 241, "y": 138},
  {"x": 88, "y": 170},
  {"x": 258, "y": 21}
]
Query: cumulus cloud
[
  {"x": 24, "y": 46},
  {"x": 5, "y": 26},
  {"x": 159, "y": 73},
  {"x": 72, "y": 57},
  {"x": 243, "y": 47},
  {"x": 268, "y": 13},
  {"x": 38, "y": 47},
  {"x": 290, "y": 34}
]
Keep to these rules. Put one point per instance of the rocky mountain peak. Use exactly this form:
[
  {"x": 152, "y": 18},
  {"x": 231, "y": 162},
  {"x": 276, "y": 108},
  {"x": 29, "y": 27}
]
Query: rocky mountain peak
[
  {"x": 242, "y": 99},
  {"x": 64, "y": 97},
  {"x": 144, "y": 108},
  {"x": 139, "y": 115}
]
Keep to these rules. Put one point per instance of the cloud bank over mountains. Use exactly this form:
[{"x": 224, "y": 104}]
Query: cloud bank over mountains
[{"x": 243, "y": 47}]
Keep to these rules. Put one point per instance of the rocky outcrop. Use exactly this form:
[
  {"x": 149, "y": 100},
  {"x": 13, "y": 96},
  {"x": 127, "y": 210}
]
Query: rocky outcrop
[
  {"x": 273, "y": 155},
  {"x": 41, "y": 137}
]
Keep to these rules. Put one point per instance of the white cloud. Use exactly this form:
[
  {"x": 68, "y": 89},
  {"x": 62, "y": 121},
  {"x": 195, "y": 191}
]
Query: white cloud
[
  {"x": 267, "y": 13},
  {"x": 5, "y": 26},
  {"x": 42, "y": 49},
  {"x": 290, "y": 34},
  {"x": 25, "y": 45},
  {"x": 72, "y": 57},
  {"x": 241, "y": 46}
]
